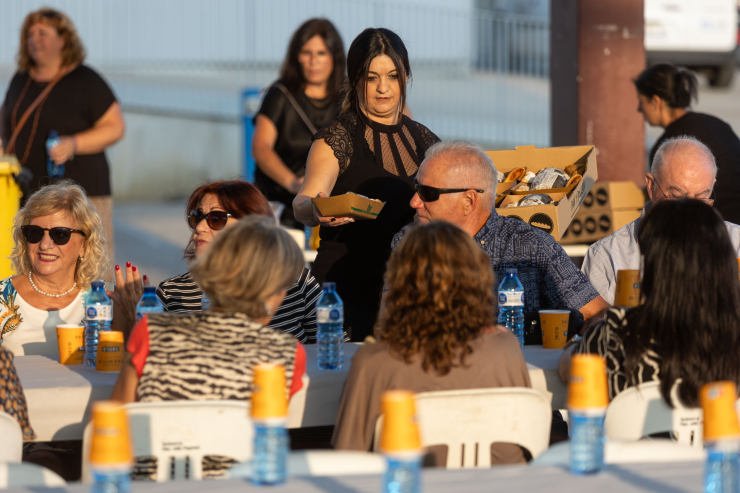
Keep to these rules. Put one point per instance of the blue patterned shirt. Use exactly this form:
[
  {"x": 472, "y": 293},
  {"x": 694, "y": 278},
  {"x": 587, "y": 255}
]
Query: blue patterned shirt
[{"x": 549, "y": 277}]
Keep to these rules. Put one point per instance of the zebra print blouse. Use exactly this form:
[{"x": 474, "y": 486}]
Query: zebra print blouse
[{"x": 605, "y": 339}]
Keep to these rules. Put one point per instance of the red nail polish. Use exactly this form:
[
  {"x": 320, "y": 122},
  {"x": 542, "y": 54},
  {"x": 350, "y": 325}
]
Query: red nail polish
[
  {"x": 128, "y": 264},
  {"x": 118, "y": 267},
  {"x": 145, "y": 277},
  {"x": 134, "y": 268}
]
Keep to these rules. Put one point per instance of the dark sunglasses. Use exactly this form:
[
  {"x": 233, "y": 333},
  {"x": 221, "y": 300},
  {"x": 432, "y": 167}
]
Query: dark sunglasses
[
  {"x": 216, "y": 220},
  {"x": 59, "y": 235},
  {"x": 431, "y": 194}
]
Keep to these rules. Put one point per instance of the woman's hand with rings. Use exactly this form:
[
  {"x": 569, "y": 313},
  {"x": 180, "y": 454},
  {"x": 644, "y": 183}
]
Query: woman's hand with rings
[
  {"x": 328, "y": 220},
  {"x": 126, "y": 295},
  {"x": 64, "y": 151}
]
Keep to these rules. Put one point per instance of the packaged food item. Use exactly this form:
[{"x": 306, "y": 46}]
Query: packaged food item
[
  {"x": 548, "y": 178},
  {"x": 523, "y": 188},
  {"x": 513, "y": 204},
  {"x": 528, "y": 177},
  {"x": 501, "y": 177},
  {"x": 535, "y": 199},
  {"x": 515, "y": 175}
]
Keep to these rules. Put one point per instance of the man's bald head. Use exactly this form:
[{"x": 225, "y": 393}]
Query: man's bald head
[{"x": 682, "y": 167}]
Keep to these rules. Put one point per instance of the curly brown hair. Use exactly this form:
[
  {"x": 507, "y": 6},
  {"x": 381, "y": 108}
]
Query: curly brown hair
[
  {"x": 440, "y": 296},
  {"x": 73, "y": 52}
]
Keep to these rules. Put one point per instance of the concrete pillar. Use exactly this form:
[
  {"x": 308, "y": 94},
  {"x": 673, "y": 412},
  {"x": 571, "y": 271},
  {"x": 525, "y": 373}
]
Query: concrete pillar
[{"x": 596, "y": 49}]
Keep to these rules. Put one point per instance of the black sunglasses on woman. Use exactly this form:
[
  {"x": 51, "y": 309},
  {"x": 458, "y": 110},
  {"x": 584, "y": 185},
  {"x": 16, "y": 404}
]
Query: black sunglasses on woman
[
  {"x": 216, "y": 220},
  {"x": 59, "y": 235}
]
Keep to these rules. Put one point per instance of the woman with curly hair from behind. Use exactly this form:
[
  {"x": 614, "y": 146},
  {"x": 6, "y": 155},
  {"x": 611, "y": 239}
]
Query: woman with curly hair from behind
[{"x": 436, "y": 331}]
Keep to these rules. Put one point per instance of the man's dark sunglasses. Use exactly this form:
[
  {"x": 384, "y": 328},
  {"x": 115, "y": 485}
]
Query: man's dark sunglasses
[
  {"x": 430, "y": 194},
  {"x": 60, "y": 236},
  {"x": 216, "y": 220}
]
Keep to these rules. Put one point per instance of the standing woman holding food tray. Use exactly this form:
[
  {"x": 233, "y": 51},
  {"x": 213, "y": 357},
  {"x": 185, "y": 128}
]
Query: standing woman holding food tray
[{"x": 371, "y": 149}]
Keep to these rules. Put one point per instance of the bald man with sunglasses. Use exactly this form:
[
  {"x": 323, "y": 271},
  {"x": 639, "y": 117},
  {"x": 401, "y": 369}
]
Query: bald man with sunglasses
[{"x": 457, "y": 183}]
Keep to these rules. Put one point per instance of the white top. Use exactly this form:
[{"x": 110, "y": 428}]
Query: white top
[
  {"x": 621, "y": 251},
  {"x": 25, "y": 330}
]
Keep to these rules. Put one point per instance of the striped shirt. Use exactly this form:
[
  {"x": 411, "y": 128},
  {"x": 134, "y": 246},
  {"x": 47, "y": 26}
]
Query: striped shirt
[{"x": 295, "y": 316}]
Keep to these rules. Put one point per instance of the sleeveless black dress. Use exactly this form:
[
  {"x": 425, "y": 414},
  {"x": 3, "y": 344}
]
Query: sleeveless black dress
[{"x": 380, "y": 162}]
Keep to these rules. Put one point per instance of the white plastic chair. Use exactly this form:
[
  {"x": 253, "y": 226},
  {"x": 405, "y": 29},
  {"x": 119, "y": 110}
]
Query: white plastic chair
[
  {"x": 469, "y": 421},
  {"x": 323, "y": 463},
  {"x": 616, "y": 452},
  {"x": 26, "y": 474},
  {"x": 11, "y": 439},
  {"x": 180, "y": 433},
  {"x": 641, "y": 411}
]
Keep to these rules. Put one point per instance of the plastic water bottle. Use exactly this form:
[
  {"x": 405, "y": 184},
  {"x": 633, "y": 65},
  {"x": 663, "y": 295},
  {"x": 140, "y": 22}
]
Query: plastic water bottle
[
  {"x": 98, "y": 316},
  {"x": 205, "y": 303},
  {"x": 511, "y": 305},
  {"x": 108, "y": 480},
  {"x": 586, "y": 442},
  {"x": 271, "y": 448},
  {"x": 403, "y": 475},
  {"x": 330, "y": 338},
  {"x": 149, "y": 303},
  {"x": 722, "y": 469},
  {"x": 53, "y": 170}
]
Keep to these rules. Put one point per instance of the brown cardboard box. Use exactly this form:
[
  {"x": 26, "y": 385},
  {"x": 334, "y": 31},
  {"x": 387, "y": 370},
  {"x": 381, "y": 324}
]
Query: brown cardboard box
[
  {"x": 595, "y": 223},
  {"x": 349, "y": 205},
  {"x": 552, "y": 218},
  {"x": 615, "y": 195}
]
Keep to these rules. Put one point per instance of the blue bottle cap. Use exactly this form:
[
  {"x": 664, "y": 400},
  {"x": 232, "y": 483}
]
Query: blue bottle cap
[
  {"x": 150, "y": 289},
  {"x": 98, "y": 284},
  {"x": 510, "y": 270},
  {"x": 329, "y": 286}
]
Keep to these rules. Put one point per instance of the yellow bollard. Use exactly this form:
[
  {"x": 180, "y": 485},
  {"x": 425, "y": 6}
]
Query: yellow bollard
[{"x": 10, "y": 200}]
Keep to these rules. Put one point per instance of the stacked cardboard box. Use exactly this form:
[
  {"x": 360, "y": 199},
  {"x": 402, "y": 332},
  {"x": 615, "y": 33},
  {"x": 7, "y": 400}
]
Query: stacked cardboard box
[{"x": 606, "y": 208}]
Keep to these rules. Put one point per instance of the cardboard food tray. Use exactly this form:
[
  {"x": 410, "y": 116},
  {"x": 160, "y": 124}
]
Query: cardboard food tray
[
  {"x": 348, "y": 205},
  {"x": 552, "y": 218}
]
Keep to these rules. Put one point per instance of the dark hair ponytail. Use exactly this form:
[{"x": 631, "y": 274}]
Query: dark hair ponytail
[{"x": 676, "y": 86}]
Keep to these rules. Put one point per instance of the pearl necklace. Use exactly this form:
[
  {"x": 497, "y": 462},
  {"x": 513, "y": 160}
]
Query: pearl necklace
[{"x": 47, "y": 294}]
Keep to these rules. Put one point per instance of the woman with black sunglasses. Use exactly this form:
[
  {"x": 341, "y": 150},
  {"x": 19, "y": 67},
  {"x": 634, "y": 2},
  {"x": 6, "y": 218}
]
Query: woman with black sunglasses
[
  {"x": 60, "y": 248},
  {"x": 218, "y": 205}
]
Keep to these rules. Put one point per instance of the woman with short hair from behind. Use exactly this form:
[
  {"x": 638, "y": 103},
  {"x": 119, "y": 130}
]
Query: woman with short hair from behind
[{"x": 436, "y": 331}]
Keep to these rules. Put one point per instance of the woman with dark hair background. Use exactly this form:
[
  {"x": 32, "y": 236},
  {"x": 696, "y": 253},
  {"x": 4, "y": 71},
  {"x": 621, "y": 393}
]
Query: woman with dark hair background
[
  {"x": 665, "y": 93},
  {"x": 372, "y": 149},
  {"x": 688, "y": 327},
  {"x": 304, "y": 99}
]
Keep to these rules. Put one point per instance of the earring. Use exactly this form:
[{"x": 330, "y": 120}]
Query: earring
[
  {"x": 81, "y": 258},
  {"x": 267, "y": 309}
]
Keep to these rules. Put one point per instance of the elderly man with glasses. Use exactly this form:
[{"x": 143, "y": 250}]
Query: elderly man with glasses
[
  {"x": 683, "y": 168},
  {"x": 457, "y": 183}
]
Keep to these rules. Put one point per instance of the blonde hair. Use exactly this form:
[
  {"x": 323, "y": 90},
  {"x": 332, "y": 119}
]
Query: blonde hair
[
  {"x": 246, "y": 264},
  {"x": 73, "y": 52},
  {"x": 64, "y": 196}
]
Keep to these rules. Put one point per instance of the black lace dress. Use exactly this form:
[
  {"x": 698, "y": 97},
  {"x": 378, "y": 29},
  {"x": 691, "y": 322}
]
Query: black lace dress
[{"x": 380, "y": 162}]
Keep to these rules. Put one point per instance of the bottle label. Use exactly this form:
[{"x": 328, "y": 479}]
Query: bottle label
[
  {"x": 329, "y": 315},
  {"x": 511, "y": 298},
  {"x": 98, "y": 312}
]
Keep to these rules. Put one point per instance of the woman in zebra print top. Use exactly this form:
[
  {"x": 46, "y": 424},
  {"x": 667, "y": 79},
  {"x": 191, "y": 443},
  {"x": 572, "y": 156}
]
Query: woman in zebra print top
[
  {"x": 688, "y": 326},
  {"x": 213, "y": 207}
]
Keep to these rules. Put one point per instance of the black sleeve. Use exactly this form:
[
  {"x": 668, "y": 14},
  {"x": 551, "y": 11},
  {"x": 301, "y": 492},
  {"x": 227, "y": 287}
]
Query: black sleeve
[
  {"x": 274, "y": 106},
  {"x": 100, "y": 96},
  {"x": 7, "y": 108}
]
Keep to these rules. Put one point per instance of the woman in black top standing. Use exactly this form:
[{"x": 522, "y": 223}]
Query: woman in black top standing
[
  {"x": 80, "y": 107},
  {"x": 304, "y": 99},
  {"x": 374, "y": 150},
  {"x": 665, "y": 93}
]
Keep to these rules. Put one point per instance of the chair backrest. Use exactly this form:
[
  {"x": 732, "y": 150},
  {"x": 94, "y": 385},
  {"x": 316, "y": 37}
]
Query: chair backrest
[
  {"x": 641, "y": 411},
  {"x": 180, "y": 433},
  {"x": 11, "y": 444},
  {"x": 26, "y": 474},
  {"x": 469, "y": 421}
]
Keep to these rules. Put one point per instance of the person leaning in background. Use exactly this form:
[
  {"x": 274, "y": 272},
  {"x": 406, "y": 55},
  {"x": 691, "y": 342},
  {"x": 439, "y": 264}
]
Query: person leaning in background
[
  {"x": 53, "y": 90},
  {"x": 371, "y": 149},
  {"x": 688, "y": 326},
  {"x": 437, "y": 331},
  {"x": 665, "y": 93},
  {"x": 213, "y": 207},
  {"x": 304, "y": 99}
]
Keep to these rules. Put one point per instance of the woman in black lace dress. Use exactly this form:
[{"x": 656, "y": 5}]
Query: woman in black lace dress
[{"x": 374, "y": 150}]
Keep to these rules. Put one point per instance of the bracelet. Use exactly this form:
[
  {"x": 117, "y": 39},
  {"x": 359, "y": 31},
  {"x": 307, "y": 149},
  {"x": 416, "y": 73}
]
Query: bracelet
[{"x": 74, "y": 147}]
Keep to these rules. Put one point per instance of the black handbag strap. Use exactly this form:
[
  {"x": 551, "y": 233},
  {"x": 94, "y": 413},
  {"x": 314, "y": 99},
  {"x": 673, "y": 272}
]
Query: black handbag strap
[{"x": 298, "y": 109}]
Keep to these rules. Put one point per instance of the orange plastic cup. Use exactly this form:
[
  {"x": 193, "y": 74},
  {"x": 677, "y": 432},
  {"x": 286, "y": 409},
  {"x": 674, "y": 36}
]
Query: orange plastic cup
[
  {"x": 628, "y": 288},
  {"x": 110, "y": 351},
  {"x": 110, "y": 444},
  {"x": 400, "y": 431},
  {"x": 269, "y": 399},
  {"x": 554, "y": 328},
  {"x": 588, "y": 387},
  {"x": 720, "y": 417},
  {"x": 71, "y": 341}
]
